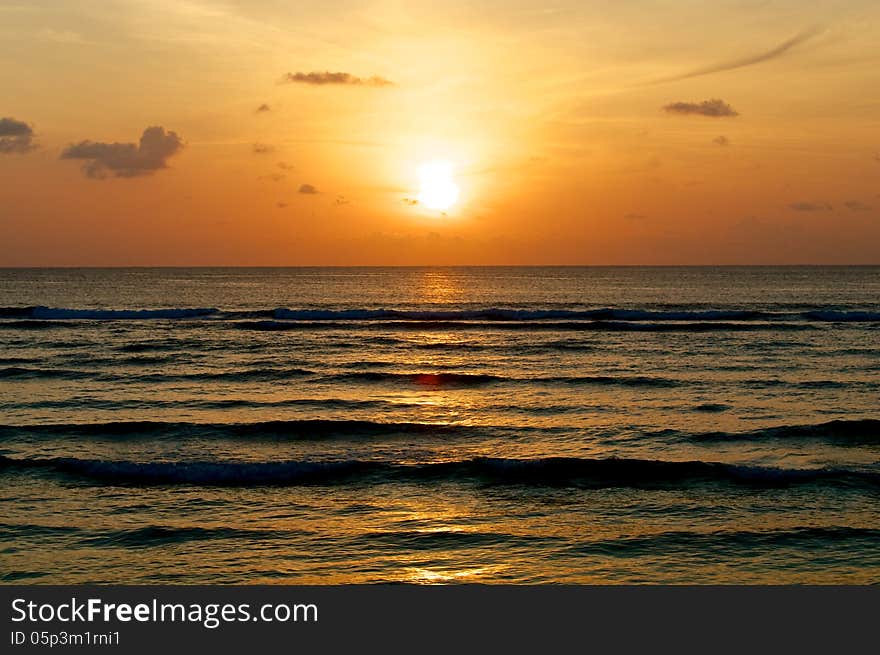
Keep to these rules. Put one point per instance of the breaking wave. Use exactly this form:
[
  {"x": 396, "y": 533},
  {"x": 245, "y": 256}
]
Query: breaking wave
[{"x": 554, "y": 471}]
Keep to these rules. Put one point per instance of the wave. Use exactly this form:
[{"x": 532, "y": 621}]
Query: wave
[
  {"x": 19, "y": 360},
  {"x": 422, "y": 379},
  {"x": 54, "y": 314},
  {"x": 491, "y": 314},
  {"x": 856, "y": 430},
  {"x": 601, "y": 314},
  {"x": 842, "y": 317},
  {"x": 446, "y": 539},
  {"x": 35, "y": 325},
  {"x": 555, "y": 471},
  {"x": 157, "y": 535},
  {"x": 593, "y": 326},
  {"x": 11, "y": 531},
  {"x": 245, "y": 375},
  {"x": 25, "y": 373},
  {"x": 712, "y": 408},
  {"x": 732, "y": 541},
  {"x": 497, "y": 314},
  {"x": 80, "y": 402},
  {"x": 481, "y": 379},
  {"x": 298, "y": 429}
]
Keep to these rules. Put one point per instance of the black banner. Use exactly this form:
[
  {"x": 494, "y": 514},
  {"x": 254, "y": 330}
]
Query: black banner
[{"x": 459, "y": 618}]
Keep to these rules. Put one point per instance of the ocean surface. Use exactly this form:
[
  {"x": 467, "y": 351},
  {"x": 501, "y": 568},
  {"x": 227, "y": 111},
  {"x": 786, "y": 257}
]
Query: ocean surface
[{"x": 437, "y": 425}]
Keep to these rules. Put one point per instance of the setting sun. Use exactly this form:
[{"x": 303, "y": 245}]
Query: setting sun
[{"x": 437, "y": 188}]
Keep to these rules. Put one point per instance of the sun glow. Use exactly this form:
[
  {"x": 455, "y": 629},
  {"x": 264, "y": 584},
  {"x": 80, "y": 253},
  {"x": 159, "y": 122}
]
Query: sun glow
[{"x": 437, "y": 188}]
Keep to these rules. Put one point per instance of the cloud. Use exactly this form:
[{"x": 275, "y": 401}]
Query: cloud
[
  {"x": 307, "y": 189},
  {"x": 126, "y": 159},
  {"x": 751, "y": 60},
  {"x": 262, "y": 148},
  {"x": 275, "y": 177},
  {"x": 281, "y": 205},
  {"x": 410, "y": 201},
  {"x": 804, "y": 206},
  {"x": 317, "y": 78},
  {"x": 15, "y": 136},
  {"x": 263, "y": 108},
  {"x": 714, "y": 108},
  {"x": 284, "y": 167},
  {"x": 342, "y": 200},
  {"x": 721, "y": 141},
  {"x": 857, "y": 206}
]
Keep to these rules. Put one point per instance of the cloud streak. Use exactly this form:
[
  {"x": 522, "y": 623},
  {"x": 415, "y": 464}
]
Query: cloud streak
[
  {"x": 805, "y": 206},
  {"x": 317, "y": 78},
  {"x": 715, "y": 108},
  {"x": 752, "y": 60},
  {"x": 16, "y": 137},
  {"x": 126, "y": 159}
]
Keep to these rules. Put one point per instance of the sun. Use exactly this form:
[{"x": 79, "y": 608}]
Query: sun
[{"x": 437, "y": 188}]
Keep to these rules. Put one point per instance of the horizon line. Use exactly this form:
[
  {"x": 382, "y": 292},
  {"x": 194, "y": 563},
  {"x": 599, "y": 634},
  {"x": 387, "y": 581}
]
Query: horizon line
[{"x": 294, "y": 266}]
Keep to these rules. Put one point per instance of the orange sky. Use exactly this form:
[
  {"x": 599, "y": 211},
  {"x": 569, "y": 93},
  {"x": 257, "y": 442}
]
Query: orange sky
[{"x": 585, "y": 133}]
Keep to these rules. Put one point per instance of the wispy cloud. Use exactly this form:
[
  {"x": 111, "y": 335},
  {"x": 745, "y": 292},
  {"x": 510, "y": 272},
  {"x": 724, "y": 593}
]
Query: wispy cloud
[
  {"x": 262, "y": 109},
  {"x": 806, "y": 206},
  {"x": 318, "y": 78},
  {"x": 750, "y": 60},
  {"x": 307, "y": 189},
  {"x": 15, "y": 137},
  {"x": 714, "y": 108},
  {"x": 857, "y": 206},
  {"x": 126, "y": 159},
  {"x": 721, "y": 141},
  {"x": 262, "y": 148}
]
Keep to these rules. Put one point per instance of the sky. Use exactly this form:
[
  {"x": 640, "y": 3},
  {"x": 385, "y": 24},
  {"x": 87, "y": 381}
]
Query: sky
[{"x": 271, "y": 132}]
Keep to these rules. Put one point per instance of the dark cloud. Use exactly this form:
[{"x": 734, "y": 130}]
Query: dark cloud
[
  {"x": 804, "y": 206},
  {"x": 126, "y": 159},
  {"x": 263, "y": 108},
  {"x": 742, "y": 62},
  {"x": 262, "y": 149},
  {"x": 319, "y": 79},
  {"x": 15, "y": 136},
  {"x": 307, "y": 189},
  {"x": 714, "y": 108},
  {"x": 857, "y": 206},
  {"x": 721, "y": 141}
]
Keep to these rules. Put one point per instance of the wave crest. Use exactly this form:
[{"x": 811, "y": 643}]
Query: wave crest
[{"x": 554, "y": 471}]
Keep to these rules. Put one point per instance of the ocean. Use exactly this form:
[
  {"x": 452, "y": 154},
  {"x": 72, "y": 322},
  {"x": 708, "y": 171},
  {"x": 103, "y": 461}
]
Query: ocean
[{"x": 440, "y": 425}]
